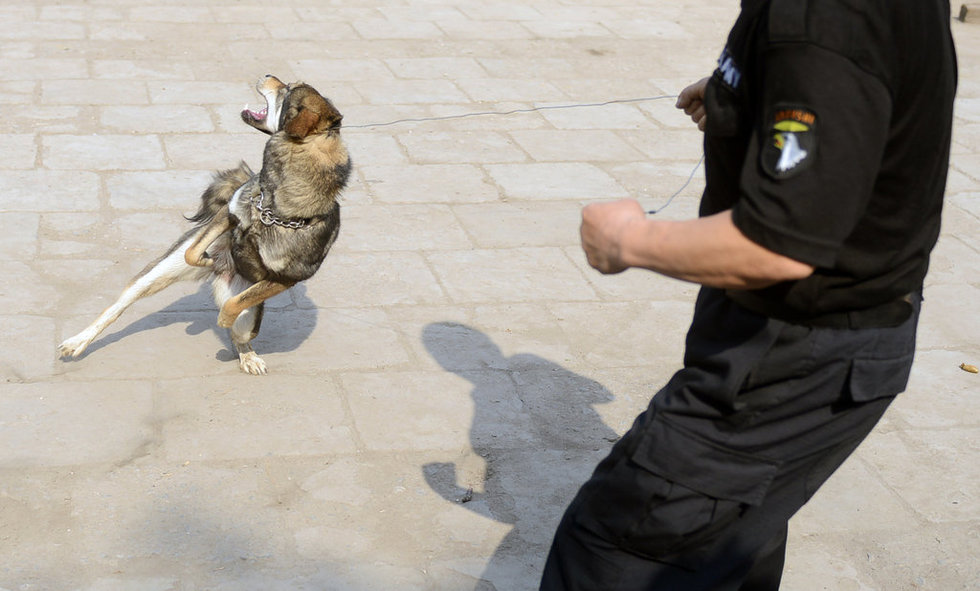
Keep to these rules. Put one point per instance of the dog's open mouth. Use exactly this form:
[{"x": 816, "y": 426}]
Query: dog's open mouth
[
  {"x": 255, "y": 116},
  {"x": 265, "y": 118}
]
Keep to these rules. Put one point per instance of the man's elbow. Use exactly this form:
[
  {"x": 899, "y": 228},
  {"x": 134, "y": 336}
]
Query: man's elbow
[
  {"x": 779, "y": 269},
  {"x": 794, "y": 270}
]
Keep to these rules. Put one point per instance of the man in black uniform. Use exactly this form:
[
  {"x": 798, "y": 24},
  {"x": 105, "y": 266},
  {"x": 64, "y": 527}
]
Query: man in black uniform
[{"x": 827, "y": 131}]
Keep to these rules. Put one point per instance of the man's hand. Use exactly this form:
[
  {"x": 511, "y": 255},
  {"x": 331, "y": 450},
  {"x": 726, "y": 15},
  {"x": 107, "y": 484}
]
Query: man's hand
[
  {"x": 691, "y": 100},
  {"x": 603, "y": 228}
]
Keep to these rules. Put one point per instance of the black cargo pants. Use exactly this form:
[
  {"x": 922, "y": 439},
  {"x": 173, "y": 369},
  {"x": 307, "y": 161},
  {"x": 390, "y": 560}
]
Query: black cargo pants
[{"x": 698, "y": 493}]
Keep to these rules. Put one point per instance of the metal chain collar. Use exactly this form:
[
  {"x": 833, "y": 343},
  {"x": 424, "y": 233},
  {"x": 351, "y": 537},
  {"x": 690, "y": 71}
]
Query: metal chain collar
[{"x": 269, "y": 217}]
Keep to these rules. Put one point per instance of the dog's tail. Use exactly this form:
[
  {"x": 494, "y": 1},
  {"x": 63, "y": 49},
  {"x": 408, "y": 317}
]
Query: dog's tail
[{"x": 220, "y": 192}]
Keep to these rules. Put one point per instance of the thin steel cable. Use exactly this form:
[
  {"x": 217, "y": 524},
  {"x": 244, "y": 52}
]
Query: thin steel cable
[
  {"x": 511, "y": 112},
  {"x": 543, "y": 108}
]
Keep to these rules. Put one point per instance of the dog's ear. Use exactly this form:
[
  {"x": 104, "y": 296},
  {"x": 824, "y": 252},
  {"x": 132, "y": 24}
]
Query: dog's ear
[
  {"x": 302, "y": 123},
  {"x": 311, "y": 115}
]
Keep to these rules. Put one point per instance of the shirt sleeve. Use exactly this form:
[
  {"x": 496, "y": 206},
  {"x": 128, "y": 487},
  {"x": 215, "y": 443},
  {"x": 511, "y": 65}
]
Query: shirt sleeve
[{"x": 815, "y": 153}]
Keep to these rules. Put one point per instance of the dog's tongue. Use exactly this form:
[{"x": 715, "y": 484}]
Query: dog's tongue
[{"x": 257, "y": 115}]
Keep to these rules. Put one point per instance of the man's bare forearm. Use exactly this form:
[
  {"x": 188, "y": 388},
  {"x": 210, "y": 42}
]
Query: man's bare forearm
[{"x": 710, "y": 251}]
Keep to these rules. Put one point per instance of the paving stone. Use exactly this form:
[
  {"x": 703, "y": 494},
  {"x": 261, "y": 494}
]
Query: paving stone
[
  {"x": 915, "y": 460},
  {"x": 810, "y": 560},
  {"x": 666, "y": 144},
  {"x": 948, "y": 317},
  {"x": 81, "y": 13},
  {"x": 18, "y": 151},
  {"x": 615, "y": 116},
  {"x": 17, "y": 92},
  {"x": 150, "y": 233},
  {"x": 102, "y": 152},
  {"x": 45, "y": 428},
  {"x": 501, "y": 89},
  {"x": 618, "y": 334},
  {"x": 654, "y": 185},
  {"x": 647, "y": 28},
  {"x": 214, "y": 151},
  {"x": 309, "y": 342},
  {"x": 434, "y": 183},
  {"x": 18, "y": 236},
  {"x": 221, "y": 424},
  {"x": 529, "y": 69},
  {"x": 502, "y": 11},
  {"x": 374, "y": 149},
  {"x": 388, "y": 29},
  {"x": 558, "y": 180},
  {"x": 460, "y": 147},
  {"x": 33, "y": 359},
  {"x": 937, "y": 384},
  {"x": 633, "y": 284},
  {"x": 435, "y": 68},
  {"x": 195, "y": 93},
  {"x": 36, "y": 119},
  {"x": 48, "y": 190},
  {"x": 963, "y": 222},
  {"x": 562, "y": 146},
  {"x": 158, "y": 119},
  {"x": 43, "y": 68},
  {"x": 521, "y": 223},
  {"x": 470, "y": 29},
  {"x": 170, "y": 190},
  {"x": 839, "y": 506},
  {"x": 513, "y": 275},
  {"x": 93, "y": 92},
  {"x": 46, "y": 30},
  {"x": 443, "y": 422},
  {"x": 381, "y": 278},
  {"x": 29, "y": 294},
  {"x": 342, "y": 69},
  {"x": 396, "y": 227}
]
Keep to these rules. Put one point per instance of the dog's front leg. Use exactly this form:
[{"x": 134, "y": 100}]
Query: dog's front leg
[
  {"x": 255, "y": 294},
  {"x": 196, "y": 255}
]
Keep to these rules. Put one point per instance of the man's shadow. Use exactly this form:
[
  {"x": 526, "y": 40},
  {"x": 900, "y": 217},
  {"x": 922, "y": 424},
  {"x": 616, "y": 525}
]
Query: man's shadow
[
  {"x": 536, "y": 428},
  {"x": 200, "y": 313}
]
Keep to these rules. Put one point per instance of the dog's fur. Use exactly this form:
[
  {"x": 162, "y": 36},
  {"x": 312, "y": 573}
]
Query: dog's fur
[{"x": 257, "y": 235}]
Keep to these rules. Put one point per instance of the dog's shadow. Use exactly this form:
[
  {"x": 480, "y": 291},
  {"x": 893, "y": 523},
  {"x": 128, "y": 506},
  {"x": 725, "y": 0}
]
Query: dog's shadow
[{"x": 200, "y": 313}]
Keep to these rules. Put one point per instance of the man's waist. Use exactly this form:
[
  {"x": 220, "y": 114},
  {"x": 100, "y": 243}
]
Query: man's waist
[{"x": 887, "y": 314}]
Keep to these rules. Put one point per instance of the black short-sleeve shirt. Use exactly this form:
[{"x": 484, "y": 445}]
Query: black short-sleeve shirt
[{"x": 828, "y": 134}]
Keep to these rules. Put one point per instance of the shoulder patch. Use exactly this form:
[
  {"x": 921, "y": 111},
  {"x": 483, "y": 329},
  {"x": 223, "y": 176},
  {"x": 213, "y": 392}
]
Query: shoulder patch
[{"x": 791, "y": 141}]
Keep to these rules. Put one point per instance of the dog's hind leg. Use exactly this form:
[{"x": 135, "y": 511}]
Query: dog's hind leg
[
  {"x": 246, "y": 325},
  {"x": 162, "y": 273},
  {"x": 196, "y": 253}
]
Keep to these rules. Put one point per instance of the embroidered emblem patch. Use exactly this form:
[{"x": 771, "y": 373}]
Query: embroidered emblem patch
[{"x": 792, "y": 142}]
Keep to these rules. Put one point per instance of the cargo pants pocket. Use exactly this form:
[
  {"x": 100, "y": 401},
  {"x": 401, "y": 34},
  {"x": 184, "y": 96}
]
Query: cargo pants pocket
[
  {"x": 871, "y": 379},
  {"x": 673, "y": 494}
]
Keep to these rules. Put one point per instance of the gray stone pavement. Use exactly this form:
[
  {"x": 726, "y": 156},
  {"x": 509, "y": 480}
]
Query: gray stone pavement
[{"x": 454, "y": 341}]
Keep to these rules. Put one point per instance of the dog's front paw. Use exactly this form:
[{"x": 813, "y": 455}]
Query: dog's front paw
[
  {"x": 74, "y": 346},
  {"x": 252, "y": 364},
  {"x": 204, "y": 260},
  {"x": 226, "y": 319}
]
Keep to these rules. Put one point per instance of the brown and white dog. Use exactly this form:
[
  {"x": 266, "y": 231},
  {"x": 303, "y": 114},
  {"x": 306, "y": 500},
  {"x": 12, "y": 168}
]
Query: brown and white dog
[{"x": 256, "y": 235}]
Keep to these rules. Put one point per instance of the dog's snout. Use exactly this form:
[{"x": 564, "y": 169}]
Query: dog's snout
[{"x": 269, "y": 83}]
